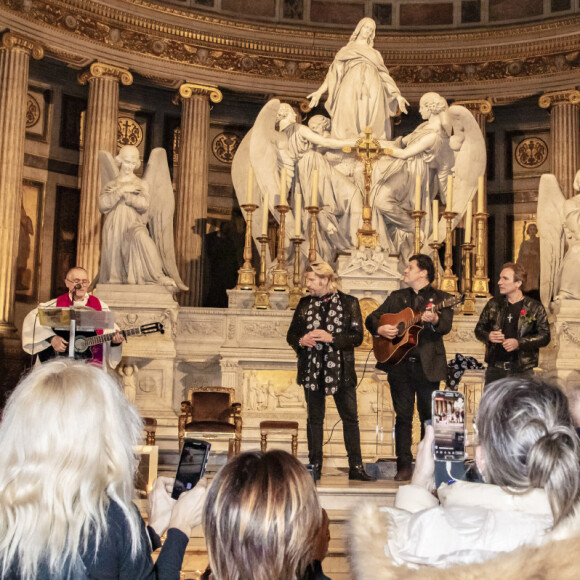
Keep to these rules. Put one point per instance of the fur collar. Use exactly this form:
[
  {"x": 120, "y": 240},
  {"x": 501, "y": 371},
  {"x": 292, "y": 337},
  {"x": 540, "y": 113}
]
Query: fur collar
[{"x": 368, "y": 528}]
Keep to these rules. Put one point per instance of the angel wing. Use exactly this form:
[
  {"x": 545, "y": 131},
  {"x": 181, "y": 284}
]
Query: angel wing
[
  {"x": 262, "y": 149},
  {"x": 108, "y": 167},
  {"x": 468, "y": 145},
  {"x": 552, "y": 239},
  {"x": 161, "y": 210}
]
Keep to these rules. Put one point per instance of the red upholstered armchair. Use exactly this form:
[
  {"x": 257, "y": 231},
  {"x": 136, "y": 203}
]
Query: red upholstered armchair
[{"x": 210, "y": 413}]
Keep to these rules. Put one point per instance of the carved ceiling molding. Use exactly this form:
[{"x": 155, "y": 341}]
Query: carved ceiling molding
[{"x": 244, "y": 51}]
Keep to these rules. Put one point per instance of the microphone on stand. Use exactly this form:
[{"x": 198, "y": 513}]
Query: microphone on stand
[{"x": 75, "y": 288}]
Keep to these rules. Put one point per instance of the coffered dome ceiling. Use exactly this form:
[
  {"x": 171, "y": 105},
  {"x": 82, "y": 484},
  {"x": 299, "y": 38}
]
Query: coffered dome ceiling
[{"x": 208, "y": 41}]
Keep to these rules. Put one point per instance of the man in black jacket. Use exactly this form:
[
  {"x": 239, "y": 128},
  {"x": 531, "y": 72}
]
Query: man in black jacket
[
  {"x": 513, "y": 327},
  {"x": 325, "y": 329},
  {"x": 420, "y": 372}
]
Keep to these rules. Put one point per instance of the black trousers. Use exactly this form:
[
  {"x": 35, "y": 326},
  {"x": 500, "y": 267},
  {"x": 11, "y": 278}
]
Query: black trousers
[
  {"x": 408, "y": 380},
  {"x": 494, "y": 373},
  {"x": 345, "y": 399}
]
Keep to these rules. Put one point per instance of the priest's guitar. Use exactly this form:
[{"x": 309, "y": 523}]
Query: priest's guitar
[
  {"x": 85, "y": 342},
  {"x": 409, "y": 325}
]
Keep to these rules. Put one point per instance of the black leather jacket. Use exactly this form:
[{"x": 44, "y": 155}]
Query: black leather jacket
[
  {"x": 345, "y": 342},
  {"x": 533, "y": 330}
]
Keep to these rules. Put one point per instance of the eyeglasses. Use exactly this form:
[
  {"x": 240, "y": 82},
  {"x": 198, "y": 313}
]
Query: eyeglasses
[{"x": 78, "y": 281}]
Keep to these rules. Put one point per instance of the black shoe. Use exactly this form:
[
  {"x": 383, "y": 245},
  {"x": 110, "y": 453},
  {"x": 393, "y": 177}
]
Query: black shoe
[
  {"x": 358, "y": 473},
  {"x": 317, "y": 470},
  {"x": 404, "y": 474}
]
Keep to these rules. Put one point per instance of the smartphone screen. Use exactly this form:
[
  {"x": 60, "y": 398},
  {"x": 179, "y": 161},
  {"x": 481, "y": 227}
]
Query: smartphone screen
[
  {"x": 192, "y": 463},
  {"x": 449, "y": 425}
]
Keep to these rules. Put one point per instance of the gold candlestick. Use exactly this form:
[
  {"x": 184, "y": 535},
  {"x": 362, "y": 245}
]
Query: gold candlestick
[
  {"x": 469, "y": 302},
  {"x": 313, "y": 210},
  {"x": 417, "y": 215},
  {"x": 435, "y": 246},
  {"x": 261, "y": 294},
  {"x": 449, "y": 281},
  {"x": 480, "y": 280},
  {"x": 296, "y": 293},
  {"x": 280, "y": 273},
  {"x": 247, "y": 273}
]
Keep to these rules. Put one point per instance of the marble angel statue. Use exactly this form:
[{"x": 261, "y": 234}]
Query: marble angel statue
[
  {"x": 448, "y": 142},
  {"x": 361, "y": 92},
  {"x": 137, "y": 246},
  {"x": 299, "y": 149},
  {"x": 559, "y": 225}
]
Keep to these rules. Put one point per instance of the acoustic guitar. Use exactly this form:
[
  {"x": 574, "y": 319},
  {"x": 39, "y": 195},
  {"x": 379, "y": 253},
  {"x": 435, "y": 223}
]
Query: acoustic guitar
[
  {"x": 409, "y": 325},
  {"x": 85, "y": 342}
]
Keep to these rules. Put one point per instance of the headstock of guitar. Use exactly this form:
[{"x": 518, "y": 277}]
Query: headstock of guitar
[{"x": 151, "y": 328}]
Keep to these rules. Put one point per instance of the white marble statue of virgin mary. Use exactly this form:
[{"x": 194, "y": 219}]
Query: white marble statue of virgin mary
[{"x": 361, "y": 92}]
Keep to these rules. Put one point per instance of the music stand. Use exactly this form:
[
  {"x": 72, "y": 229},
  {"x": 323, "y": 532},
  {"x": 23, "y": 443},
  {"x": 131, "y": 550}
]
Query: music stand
[{"x": 73, "y": 319}]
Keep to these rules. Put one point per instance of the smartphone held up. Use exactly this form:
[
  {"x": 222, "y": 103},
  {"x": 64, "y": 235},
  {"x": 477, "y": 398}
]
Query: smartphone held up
[
  {"x": 448, "y": 419},
  {"x": 192, "y": 464}
]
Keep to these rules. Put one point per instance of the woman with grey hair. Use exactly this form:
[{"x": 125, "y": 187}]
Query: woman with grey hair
[
  {"x": 325, "y": 329},
  {"x": 528, "y": 455},
  {"x": 67, "y": 472}
]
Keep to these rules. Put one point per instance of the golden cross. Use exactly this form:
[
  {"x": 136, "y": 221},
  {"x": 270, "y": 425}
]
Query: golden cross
[{"x": 368, "y": 150}]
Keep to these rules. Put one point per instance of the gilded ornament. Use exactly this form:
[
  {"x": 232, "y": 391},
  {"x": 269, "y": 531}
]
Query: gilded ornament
[
  {"x": 129, "y": 132},
  {"x": 101, "y": 69},
  {"x": 571, "y": 96},
  {"x": 224, "y": 147},
  {"x": 531, "y": 152},
  {"x": 187, "y": 90},
  {"x": 11, "y": 40},
  {"x": 32, "y": 111}
]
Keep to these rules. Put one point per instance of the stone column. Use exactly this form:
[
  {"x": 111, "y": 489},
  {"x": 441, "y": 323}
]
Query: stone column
[
  {"x": 15, "y": 52},
  {"x": 192, "y": 182},
  {"x": 564, "y": 136},
  {"x": 482, "y": 111},
  {"x": 100, "y": 134}
]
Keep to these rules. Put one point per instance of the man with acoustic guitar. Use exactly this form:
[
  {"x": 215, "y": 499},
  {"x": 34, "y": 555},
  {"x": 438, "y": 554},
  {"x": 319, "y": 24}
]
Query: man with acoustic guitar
[
  {"x": 48, "y": 343},
  {"x": 417, "y": 322}
]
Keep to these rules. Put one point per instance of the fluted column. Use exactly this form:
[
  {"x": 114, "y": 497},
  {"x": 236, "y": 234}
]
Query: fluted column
[
  {"x": 100, "y": 134},
  {"x": 564, "y": 135},
  {"x": 482, "y": 111},
  {"x": 15, "y": 52},
  {"x": 192, "y": 183}
]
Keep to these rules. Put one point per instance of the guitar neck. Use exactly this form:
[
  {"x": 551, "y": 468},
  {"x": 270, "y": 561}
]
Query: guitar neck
[
  {"x": 101, "y": 338},
  {"x": 436, "y": 308}
]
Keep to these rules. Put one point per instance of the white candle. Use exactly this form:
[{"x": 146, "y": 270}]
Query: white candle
[
  {"x": 480, "y": 194},
  {"x": 435, "y": 220},
  {"x": 449, "y": 204},
  {"x": 250, "y": 184},
  {"x": 468, "y": 224},
  {"x": 283, "y": 199},
  {"x": 314, "y": 200},
  {"x": 417, "y": 192},
  {"x": 298, "y": 215},
  {"x": 265, "y": 215}
]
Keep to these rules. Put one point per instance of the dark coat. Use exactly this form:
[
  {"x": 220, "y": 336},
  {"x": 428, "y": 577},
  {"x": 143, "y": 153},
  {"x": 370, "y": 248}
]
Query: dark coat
[
  {"x": 430, "y": 348},
  {"x": 533, "y": 330},
  {"x": 345, "y": 342}
]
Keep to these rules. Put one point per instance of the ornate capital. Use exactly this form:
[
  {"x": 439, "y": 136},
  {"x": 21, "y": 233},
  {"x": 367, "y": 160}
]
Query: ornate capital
[
  {"x": 571, "y": 96},
  {"x": 17, "y": 42},
  {"x": 187, "y": 90},
  {"x": 299, "y": 102},
  {"x": 103, "y": 70},
  {"x": 481, "y": 106}
]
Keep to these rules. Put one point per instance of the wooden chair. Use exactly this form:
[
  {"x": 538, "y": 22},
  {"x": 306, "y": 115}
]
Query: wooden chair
[
  {"x": 150, "y": 426},
  {"x": 287, "y": 427},
  {"x": 210, "y": 413}
]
